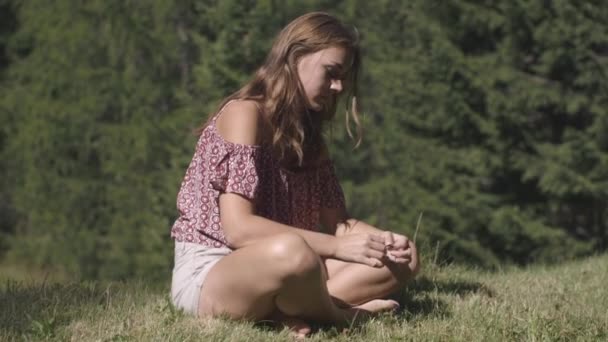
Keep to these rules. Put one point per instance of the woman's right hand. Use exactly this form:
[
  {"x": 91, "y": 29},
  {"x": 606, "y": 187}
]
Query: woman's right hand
[{"x": 363, "y": 248}]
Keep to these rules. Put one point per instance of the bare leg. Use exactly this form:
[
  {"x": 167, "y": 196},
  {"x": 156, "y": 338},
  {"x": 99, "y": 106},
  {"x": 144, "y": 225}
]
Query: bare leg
[
  {"x": 279, "y": 273},
  {"x": 298, "y": 327},
  {"x": 356, "y": 283}
]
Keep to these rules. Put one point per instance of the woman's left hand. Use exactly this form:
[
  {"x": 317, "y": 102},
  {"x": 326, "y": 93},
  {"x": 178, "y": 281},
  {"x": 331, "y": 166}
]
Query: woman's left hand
[{"x": 397, "y": 247}]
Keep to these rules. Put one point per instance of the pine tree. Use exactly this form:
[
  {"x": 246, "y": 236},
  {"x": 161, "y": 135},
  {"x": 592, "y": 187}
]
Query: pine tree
[
  {"x": 486, "y": 118},
  {"x": 7, "y": 215},
  {"x": 92, "y": 149},
  {"x": 483, "y": 117}
]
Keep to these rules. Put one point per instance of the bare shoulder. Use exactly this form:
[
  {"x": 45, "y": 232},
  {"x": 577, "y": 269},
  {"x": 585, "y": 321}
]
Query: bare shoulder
[{"x": 238, "y": 122}]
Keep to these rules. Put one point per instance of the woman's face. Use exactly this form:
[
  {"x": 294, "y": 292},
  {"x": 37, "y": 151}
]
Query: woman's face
[{"x": 321, "y": 74}]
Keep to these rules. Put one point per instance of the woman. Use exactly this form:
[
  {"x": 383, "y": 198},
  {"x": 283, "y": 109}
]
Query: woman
[{"x": 263, "y": 232}]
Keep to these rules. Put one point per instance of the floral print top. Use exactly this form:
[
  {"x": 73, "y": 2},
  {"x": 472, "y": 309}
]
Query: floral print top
[{"x": 220, "y": 166}]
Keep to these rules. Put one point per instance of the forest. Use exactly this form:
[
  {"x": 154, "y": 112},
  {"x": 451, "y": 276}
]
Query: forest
[{"x": 485, "y": 124}]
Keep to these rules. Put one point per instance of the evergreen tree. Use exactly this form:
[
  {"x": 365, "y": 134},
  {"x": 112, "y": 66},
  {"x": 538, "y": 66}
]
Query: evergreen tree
[
  {"x": 486, "y": 118},
  {"x": 92, "y": 152},
  {"x": 7, "y": 216},
  {"x": 488, "y": 110},
  {"x": 104, "y": 103}
]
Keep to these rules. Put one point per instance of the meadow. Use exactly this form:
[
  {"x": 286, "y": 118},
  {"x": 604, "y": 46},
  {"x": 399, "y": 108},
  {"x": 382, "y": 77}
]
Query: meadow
[{"x": 567, "y": 302}]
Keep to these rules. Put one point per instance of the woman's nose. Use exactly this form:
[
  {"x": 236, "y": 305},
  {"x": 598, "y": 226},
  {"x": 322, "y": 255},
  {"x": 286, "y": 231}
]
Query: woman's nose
[{"x": 336, "y": 85}]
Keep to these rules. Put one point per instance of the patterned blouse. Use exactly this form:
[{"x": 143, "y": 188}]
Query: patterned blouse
[{"x": 220, "y": 166}]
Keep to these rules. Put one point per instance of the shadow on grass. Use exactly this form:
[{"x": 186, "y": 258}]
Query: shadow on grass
[
  {"x": 39, "y": 309},
  {"x": 456, "y": 287},
  {"x": 420, "y": 299}
]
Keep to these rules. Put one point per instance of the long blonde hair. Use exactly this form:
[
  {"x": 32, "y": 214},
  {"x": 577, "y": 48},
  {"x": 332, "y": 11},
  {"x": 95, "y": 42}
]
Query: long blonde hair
[{"x": 295, "y": 132}]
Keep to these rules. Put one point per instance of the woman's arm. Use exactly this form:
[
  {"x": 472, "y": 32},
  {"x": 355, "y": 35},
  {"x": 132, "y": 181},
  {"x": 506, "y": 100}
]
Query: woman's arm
[
  {"x": 239, "y": 124},
  {"x": 335, "y": 221},
  {"x": 331, "y": 219},
  {"x": 399, "y": 248},
  {"x": 243, "y": 228}
]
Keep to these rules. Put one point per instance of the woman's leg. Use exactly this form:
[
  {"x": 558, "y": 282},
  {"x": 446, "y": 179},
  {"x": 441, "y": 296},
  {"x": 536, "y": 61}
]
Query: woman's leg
[
  {"x": 354, "y": 283},
  {"x": 278, "y": 273}
]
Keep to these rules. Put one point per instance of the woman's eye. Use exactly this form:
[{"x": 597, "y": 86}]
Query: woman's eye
[{"x": 333, "y": 73}]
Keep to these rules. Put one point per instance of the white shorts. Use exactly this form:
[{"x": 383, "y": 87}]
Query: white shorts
[{"x": 192, "y": 263}]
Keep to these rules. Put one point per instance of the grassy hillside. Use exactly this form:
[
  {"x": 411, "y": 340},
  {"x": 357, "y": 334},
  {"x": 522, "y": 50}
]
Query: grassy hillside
[{"x": 567, "y": 302}]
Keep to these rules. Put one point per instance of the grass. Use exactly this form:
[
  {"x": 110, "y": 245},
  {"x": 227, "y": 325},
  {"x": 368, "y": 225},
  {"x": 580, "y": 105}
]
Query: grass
[{"x": 568, "y": 302}]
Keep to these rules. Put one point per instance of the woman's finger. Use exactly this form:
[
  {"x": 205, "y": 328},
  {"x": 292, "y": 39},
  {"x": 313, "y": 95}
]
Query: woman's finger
[
  {"x": 375, "y": 254},
  {"x": 401, "y": 241},
  {"x": 376, "y": 246},
  {"x": 375, "y": 242},
  {"x": 401, "y": 260},
  {"x": 389, "y": 239},
  {"x": 373, "y": 262},
  {"x": 400, "y": 253},
  {"x": 376, "y": 238}
]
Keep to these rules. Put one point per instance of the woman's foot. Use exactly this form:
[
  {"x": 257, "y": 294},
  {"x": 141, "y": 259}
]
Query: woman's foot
[
  {"x": 376, "y": 306},
  {"x": 363, "y": 312},
  {"x": 298, "y": 328}
]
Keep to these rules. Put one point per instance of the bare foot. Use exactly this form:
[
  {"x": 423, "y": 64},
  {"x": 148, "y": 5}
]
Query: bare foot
[
  {"x": 298, "y": 328},
  {"x": 376, "y": 306},
  {"x": 363, "y": 312}
]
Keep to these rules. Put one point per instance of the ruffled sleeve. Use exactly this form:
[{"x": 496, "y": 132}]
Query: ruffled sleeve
[
  {"x": 235, "y": 171},
  {"x": 332, "y": 195}
]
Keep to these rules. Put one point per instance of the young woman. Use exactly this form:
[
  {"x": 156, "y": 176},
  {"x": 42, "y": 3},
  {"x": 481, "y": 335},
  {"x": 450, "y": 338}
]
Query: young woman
[{"x": 263, "y": 232}]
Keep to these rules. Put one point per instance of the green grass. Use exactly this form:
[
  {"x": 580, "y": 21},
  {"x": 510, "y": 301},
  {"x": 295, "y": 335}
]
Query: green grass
[{"x": 568, "y": 302}]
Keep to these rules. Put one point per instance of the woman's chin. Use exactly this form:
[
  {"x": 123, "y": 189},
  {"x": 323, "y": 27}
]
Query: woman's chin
[{"x": 315, "y": 107}]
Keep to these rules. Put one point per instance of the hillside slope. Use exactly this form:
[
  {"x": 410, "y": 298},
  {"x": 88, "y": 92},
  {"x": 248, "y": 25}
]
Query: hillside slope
[{"x": 566, "y": 302}]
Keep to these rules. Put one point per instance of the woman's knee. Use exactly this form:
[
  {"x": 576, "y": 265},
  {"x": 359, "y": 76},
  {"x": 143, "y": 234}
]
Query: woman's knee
[{"x": 292, "y": 255}]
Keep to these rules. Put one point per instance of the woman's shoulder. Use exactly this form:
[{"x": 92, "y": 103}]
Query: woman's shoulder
[{"x": 238, "y": 122}]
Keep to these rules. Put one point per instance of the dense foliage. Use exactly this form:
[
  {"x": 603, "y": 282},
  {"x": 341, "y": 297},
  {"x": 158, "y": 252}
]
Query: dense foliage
[{"x": 488, "y": 119}]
